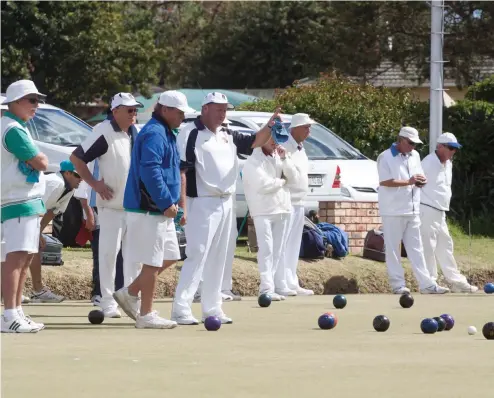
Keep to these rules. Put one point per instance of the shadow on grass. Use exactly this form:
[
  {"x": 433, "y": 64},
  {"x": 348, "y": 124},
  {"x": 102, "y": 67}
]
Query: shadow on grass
[{"x": 340, "y": 284}]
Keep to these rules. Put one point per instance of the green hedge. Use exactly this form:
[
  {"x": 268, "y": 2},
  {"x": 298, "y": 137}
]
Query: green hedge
[{"x": 369, "y": 118}]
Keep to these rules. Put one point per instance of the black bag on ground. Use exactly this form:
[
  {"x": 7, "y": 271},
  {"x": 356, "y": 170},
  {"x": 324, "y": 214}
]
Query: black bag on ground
[
  {"x": 52, "y": 252},
  {"x": 374, "y": 247}
]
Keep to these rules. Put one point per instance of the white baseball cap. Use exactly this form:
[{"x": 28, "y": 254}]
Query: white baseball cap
[
  {"x": 20, "y": 89},
  {"x": 301, "y": 119},
  {"x": 175, "y": 99},
  {"x": 125, "y": 99},
  {"x": 216, "y": 98},
  {"x": 411, "y": 133},
  {"x": 449, "y": 139}
]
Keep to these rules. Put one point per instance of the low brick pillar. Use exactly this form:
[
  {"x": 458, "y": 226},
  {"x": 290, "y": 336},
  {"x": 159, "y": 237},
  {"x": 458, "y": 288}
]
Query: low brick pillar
[{"x": 355, "y": 218}]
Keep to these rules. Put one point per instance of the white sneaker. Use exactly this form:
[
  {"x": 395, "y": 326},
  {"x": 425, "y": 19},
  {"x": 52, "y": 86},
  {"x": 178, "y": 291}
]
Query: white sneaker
[
  {"x": 401, "y": 290},
  {"x": 464, "y": 288},
  {"x": 226, "y": 297},
  {"x": 112, "y": 312},
  {"x": 46, "y": 296},
  {"x": 434, "y": 289},
  {"x": 153, "y": 321},
  {"x": 130, "y": 304},
  {"x": 28, "y": 319},
  {"x": 275, "y": 296},
  {"x": 25, "y": 300},
  {"x": 304, "y": 292},
  {"x": 223, "y": 318},
  {"x": 233, "y": 296},
  {"x": 285, "y": 292},
  {"x": 96, "y": 300},
  {"x": 185, "y": 319},
  {"x": 17, "y": 325}
]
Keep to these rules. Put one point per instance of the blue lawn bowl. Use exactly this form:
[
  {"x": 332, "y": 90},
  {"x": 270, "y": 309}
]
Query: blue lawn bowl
[
  {"x": 339, "y": 301},
  {"x": 489, "y": 288},
  {"x": 279, "y": 132},
  {"x": 450, "y": 321},
  {"x": 264, "y": 300},
  {"x": 429, "y": 326},
  {"x": 212, "y": 323},
  {"x": 326, "y": 322}
]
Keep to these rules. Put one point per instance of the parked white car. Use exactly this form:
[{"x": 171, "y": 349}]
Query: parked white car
[
  {"x": 329, "y": 156},
  {"x": 57, "y": 133}
]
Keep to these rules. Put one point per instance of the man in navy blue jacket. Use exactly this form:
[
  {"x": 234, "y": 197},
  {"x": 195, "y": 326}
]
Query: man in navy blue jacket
[{"x": 151, "y": 199}]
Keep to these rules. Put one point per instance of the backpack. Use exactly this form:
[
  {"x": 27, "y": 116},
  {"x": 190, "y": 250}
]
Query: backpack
[{"x": 313, "y": 245}]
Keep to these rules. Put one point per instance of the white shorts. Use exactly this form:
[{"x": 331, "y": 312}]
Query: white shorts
[
  {"x": 20, "y": 234},
  {"x": 152, "y": 239}
]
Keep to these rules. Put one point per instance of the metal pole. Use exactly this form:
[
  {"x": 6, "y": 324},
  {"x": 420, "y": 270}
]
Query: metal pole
[{"x": 436, "y": 72}]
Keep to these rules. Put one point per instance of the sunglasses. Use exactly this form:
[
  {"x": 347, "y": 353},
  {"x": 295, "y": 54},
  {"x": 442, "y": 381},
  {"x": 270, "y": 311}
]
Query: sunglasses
[
  {"x": 451, "y": 148},
  {"x": 411, "y": 143},
  {"x": 76, "y": 175},
  {"x": 33, "y": 101}
]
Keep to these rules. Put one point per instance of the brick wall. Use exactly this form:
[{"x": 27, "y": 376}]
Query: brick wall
[{"x": 355, "y": 218}]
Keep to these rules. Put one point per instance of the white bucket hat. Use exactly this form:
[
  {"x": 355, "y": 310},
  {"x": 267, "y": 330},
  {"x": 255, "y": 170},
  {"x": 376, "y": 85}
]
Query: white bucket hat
[
  {"x": 20, "y": 89},
  {"x": 411, "y": 133},
  {"x": 124, "y": 99},
  {"x": 301, "y": 119},
  {"x": 175, "y": 99}
]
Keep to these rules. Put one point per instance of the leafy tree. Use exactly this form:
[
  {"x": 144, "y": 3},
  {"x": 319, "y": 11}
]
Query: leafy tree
[
  {"x": 78, "y": 51},
  {"x": 482, "y": 91}
]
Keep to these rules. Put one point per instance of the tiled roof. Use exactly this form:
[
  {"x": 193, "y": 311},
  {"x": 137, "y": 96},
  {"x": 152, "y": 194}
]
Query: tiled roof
[{"x": 390, "y": 75}]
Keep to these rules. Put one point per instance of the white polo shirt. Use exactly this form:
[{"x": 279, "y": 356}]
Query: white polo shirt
[
  {"x": 299, "y": 187},
  {"x": 213, "y": 170},
  {"x": 437, "y": 192},
  {"x": 393, "y": 165},
  {"x": 57, "y": 195}
]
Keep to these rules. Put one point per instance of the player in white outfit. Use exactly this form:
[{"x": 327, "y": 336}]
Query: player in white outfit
[
  {"x": 434, "y": 203},
  {"x": 111, "y": 143},
  {"x": 286, "y": 279},
  {"x": 208, "y": 152},
  {"x": 59, "y": 189},
  {"x": 265, "y": 175},
  {"x": 400, "y": 178}
]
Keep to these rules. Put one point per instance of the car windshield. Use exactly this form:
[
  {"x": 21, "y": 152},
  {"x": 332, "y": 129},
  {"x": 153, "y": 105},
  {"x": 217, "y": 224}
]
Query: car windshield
[
  {"x": 324, "y": 144},
  {"x": 57, "y": 127}
]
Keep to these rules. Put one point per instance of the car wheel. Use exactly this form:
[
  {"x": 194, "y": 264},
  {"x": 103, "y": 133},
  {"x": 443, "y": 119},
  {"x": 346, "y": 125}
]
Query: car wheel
[{"x": 66, "y": 226}]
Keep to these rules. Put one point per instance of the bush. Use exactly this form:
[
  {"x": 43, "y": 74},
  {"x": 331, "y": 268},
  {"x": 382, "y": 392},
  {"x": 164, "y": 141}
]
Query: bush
[
  {"x": 367, "y": 117},
  {"x": 482, "y": 91},
  {"x": 472, "y": 122}
]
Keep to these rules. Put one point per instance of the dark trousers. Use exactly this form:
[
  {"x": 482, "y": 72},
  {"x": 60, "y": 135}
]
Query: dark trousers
[{"x": 119, "y": 279}]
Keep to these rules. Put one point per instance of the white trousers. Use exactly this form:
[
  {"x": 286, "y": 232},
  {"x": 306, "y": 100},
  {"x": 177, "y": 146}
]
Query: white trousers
[
  {"x": 286, "y": 274},
  {"x": 438, "y": 245},
  {"x": 113, "y": 229},
  {"x": 208, "y": 233},
  {"x": 270, "y": 232},
  {"x": 406, "y": 228}
]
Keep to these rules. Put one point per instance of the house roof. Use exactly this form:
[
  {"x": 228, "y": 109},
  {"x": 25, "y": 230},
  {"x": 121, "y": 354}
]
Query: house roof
[{"x": 390, "y": 75}]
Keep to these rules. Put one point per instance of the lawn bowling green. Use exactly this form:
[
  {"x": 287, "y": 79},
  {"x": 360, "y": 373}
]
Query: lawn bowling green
[{"x": 272, "y": 352}]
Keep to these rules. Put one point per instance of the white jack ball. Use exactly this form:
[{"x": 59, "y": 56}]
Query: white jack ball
[{"x": 472, "y": 330}]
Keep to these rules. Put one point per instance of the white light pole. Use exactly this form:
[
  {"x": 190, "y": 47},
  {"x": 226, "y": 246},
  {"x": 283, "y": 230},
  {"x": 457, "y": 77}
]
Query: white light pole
[{"x": 436, "y": 72}]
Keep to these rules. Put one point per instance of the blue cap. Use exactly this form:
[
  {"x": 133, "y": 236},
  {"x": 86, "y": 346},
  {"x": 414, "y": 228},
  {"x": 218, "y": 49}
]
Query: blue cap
[
  {"x": 67, "y": 165},
  {"x": 279, "y": 133}
]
